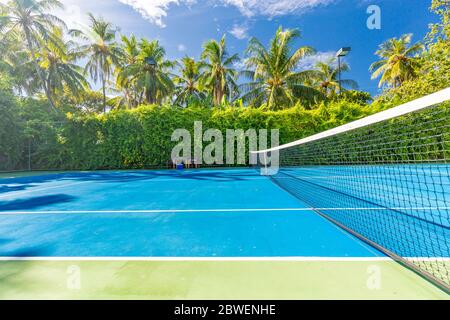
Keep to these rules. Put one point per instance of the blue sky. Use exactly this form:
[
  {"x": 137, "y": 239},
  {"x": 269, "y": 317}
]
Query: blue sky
[{"x": 182, "y": 26}]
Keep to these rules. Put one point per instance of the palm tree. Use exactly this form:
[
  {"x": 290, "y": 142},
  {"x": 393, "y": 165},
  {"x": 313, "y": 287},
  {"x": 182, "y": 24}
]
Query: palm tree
[
  {"x": 188, "y": 82},
  {"x": 399, "y": 61},
  {"x": 275, "y": 80},
  {"x": 15, "y": 61},
  {"x": 327, "y": 77},
  {"x": 219, "y": 75},
  {"x": 29, "y": 19},
  {"x": 102, "y": 51},
  {"x": 132, "y": 96},
  {"x": 150, "y": 73},
  {"x": 57, "y": 62}
]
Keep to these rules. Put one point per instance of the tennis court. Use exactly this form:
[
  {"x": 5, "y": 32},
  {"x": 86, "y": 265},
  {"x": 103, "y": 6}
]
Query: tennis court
[
  {"x": 154, "y": 217},
  {"x": 225, "y": 213},
  {"x": 368, "y": 200}
]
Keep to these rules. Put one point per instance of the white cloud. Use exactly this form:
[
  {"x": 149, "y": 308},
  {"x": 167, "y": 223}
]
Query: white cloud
[
  {"x": 181, "y": 47},
  {"x": 309, "y": 62},
  {"x": 240, "y": 32},
  {"x": 155, "y": 10},
  {"x": 73, "y": 15},
  {"x": 274, "y": 8},
  {"x": 240, "y": 65}
]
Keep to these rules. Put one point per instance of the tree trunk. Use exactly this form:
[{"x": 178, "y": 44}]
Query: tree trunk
[
  {"x": 218, "y": 95},
  {"x": 147, "y": 96},
  {"x": 104, "y": 92},
  {"x": 150, "y": 96},
  {"x": 49, "y": 89},
  {"x": 38, "y": 70},
  {"x": 141, "y": 98}
]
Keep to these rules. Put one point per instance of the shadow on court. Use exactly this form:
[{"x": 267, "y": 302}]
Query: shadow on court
[
  {"x": 23, "y": 183},
  {"x": 30, "y": 251},
  {"x": 12, "y": 274},
  {"x": 35, "y": 202},
  {"x": 4, "y": 189}
]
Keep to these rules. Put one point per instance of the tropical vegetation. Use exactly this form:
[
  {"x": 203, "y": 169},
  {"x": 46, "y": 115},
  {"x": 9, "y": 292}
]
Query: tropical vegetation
[
  {"x": 101, "y": 50},
  {"x": 398, "y": 61},
  {"x": 132, "y": 71},
  {"x": 52, "y": 112},
  {"x": 275, "y": 81}
]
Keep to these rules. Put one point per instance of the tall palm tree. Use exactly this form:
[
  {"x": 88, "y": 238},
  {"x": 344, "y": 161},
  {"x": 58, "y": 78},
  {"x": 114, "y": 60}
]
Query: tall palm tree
[
  {"x": 31, "y": 20},
  {"x": 102, "y": 51},
  {"x": 57, "y": 62},
  {"x": 150, "y": 73},
  {"x": 398, "y": 61},
  {"x": 15, "y": 61},
  {"x": 132, "y": 96},
  {"x": 275, "y": 80},
  {"x": 327, "y": 77},
  {"x": 219, "y": 74},
  {"x": 188, "y": 81}
]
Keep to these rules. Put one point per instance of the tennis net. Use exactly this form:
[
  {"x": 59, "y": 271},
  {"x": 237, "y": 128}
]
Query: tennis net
[{"x": 384, "y": 178}]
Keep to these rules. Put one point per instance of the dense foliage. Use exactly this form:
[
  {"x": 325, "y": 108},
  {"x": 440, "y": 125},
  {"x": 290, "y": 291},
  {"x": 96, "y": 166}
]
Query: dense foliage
[
  {"x": 45, "y": 58},
  {"x": 144, "y": 96},
  {"x": 141, "y": 138},
  {"x": 434, "y": 71},
  {"x": 11, "y": 132}
]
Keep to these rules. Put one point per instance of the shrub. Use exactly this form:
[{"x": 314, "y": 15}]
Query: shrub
[{"x": 141, "y": 138}]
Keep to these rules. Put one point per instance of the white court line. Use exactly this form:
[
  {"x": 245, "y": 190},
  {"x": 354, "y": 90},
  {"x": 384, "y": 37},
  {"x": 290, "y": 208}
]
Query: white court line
[
  {"x": 299, "y": 259},
  {"x": 217, "y": 210},
  {"x": 354, "y": 176},
  {"x": 153, "y": 211},
  {"x": 274, "y": 259}
]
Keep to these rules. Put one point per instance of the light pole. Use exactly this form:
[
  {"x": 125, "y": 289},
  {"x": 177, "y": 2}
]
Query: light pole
[{"x": 341, "y": 53}]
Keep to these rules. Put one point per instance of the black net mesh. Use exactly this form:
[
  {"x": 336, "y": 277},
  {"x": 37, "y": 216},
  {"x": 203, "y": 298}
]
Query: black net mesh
[{"x": 388, "y": 182}]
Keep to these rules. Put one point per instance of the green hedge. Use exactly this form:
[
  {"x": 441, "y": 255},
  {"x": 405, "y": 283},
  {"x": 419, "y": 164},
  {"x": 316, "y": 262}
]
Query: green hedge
[
  {"x": 141, "y": 138},
  {"x": 11, "y": 131}
]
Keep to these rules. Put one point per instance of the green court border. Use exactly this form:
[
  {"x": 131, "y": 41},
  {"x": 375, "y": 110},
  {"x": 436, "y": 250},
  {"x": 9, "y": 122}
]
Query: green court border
[{"x": 207, "y": 280}]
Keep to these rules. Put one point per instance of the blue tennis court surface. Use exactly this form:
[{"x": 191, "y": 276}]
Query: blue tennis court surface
[
  {"x": 403, "y": 208},
  {"x": 200, "y": 213}
]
